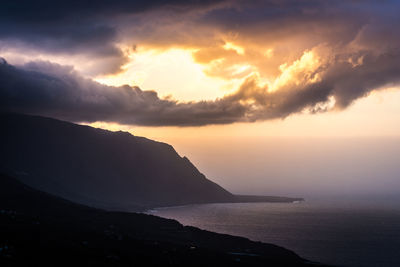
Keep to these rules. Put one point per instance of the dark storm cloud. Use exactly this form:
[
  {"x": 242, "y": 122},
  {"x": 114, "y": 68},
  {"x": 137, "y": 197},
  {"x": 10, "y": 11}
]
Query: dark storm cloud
[
  {"x": 95, "y": 29},
  {"x": 272, "y": 21},
  {"x": 76, "y": 27},
  {"x": 41, "y": 11},
  {"x": 52, "y": 90},
  {"x": 356, "y": 46}
]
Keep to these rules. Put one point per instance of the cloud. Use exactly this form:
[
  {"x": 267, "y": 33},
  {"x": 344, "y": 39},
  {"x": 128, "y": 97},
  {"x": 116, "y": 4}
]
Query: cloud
[
  {"x": 49, "y": 89},
  {"x": 100, "y": 32},
  {"x": 76, "y": 27},
  {"x": 57, "y": 91},
  {"x": 292, "y": 56},
  {"x": 268, "y": 32}
]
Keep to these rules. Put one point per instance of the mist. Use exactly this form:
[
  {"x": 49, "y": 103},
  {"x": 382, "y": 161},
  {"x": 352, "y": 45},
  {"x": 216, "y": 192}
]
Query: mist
[{"x": 307, "y": 167}]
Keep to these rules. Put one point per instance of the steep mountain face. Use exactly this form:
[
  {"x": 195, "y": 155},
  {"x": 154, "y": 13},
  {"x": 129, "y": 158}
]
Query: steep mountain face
[{"x": 98, "y": 167}]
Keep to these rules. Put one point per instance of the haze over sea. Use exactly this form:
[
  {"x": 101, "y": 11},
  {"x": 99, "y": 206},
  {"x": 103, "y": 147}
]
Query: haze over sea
[{"x": 338, "y": 231}]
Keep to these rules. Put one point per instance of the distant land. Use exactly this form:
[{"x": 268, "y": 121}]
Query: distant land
[
  {"x": 104, "y": 169},
  {"x": 39, "y": 229}
]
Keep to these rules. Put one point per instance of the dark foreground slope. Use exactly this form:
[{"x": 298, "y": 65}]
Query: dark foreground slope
[
  {"x": 38, "y": 229},
  {"x": 103, "y": 168}
]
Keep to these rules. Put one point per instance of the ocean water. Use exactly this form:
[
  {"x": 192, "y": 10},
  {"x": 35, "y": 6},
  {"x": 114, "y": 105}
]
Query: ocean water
[{"x": 340, "y": 232}]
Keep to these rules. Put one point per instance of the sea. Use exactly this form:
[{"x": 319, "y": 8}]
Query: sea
[{"x": 339, "y": 231}]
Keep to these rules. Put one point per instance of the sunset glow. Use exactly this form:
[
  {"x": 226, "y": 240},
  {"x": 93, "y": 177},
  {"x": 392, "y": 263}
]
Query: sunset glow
[
  {"x": 127, "y": 124},
  {"x": 211, "y": 71},
  {"x": 171, "y": 72}
]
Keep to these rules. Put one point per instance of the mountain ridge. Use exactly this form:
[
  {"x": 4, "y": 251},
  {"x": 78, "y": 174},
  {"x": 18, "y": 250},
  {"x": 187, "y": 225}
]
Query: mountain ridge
[{"x": 106, "y": 169}]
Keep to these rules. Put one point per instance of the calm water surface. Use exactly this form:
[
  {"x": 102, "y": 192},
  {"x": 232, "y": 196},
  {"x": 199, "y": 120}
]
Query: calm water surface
[{"x": 341, "y": 232}]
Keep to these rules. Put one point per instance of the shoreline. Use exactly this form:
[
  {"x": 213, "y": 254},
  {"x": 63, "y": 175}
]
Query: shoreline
[{"x": 155, "y": 209}]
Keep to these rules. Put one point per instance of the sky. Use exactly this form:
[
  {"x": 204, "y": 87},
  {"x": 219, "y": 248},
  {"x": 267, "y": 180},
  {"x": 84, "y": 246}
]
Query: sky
[{"x": 210, "y": 77}]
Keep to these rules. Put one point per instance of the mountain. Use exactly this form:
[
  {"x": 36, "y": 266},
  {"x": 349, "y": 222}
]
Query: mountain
[
  {"x": 39, "y": 229},
  {"x": 101, "y": 168}
]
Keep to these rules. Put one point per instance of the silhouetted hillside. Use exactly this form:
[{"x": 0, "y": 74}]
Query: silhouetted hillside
[
  {"x": 102, "y": 168},
  {"x": 38, "y": 229}
]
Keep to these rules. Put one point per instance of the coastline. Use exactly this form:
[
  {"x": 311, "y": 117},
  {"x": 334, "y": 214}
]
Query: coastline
[
  {"x": 153, "y": 210},
  {"x": 41, "y": 228}
]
